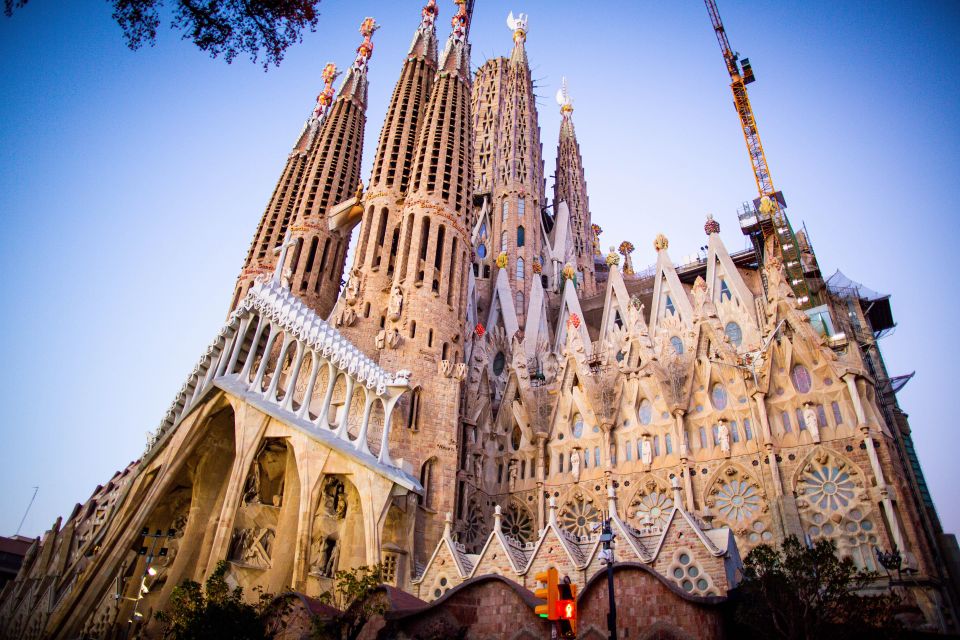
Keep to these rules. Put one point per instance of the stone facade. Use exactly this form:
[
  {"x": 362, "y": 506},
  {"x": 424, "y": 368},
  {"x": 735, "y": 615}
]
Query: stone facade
[{"x": 487, "y": 387}]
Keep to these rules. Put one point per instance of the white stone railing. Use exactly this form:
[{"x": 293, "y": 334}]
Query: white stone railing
[{"x": 268, "y": 314}]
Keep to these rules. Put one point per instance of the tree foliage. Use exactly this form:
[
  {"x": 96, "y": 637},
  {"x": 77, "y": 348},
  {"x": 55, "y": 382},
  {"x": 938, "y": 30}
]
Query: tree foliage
[
  {"x": 805, "y": 593},
  {"x": 219, "y": 27},
  {"x": 214, "y": 611},
  {"x": 352, "y": 593}
]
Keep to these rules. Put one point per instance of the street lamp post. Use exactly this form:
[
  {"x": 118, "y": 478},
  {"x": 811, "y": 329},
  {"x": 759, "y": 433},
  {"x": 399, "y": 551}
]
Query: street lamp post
[
  {"x": 148, "y": 570},
  {"x": 606, "y": 538}
]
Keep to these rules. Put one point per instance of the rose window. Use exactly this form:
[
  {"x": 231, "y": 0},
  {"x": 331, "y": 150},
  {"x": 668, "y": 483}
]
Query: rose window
[
  {"x": 654, "y": 509},
  {"x": 579, "y": 517},
  {"x": 472, "y": 526},
  {"x": 828, "y": 488},
  {"x": 737, "y": 501},
  {"x": 518, "y": 524}
]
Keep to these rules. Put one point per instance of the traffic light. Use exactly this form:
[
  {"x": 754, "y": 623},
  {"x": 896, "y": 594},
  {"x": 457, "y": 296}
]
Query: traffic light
[
  {"x": 567, "y": 608},
  {"x": 549, "y": 593}
]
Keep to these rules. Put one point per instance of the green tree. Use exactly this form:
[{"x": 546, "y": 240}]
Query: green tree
[
  {"x": 221, "y": 27},
  {"x": 806, "y": 593},
  {"x": 354, "y": 594},
  {"x": 214, "y": 611}
]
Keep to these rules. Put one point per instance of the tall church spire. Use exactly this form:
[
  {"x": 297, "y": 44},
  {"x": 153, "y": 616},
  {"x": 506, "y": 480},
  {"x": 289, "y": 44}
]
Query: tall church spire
[
  {"x": 509, "y": 167},
  {"x": 419, "y": 320},
  {"x": 570, "y": 186},
  {"x": 375, "y": 260},
  {"x": 261, "y": 257},
  {"x": 316, "y": 263}
]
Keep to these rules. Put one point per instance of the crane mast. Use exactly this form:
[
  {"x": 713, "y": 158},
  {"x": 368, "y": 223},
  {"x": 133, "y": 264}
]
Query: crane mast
[{"x": 767, "y": 225}]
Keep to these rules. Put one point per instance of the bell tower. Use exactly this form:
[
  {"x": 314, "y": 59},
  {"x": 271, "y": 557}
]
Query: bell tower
[
  {"x": 325, "y": 207},
  {"x": 280, "y": 211},
  {"x": 509, "y": 174},
  {"x": 375, "y": 263},
  {"x": 571, "y": 187},
  {"x": 407, "y": 291}
]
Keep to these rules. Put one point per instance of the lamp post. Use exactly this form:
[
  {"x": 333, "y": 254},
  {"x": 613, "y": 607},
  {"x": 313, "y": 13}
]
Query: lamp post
[
  {"x": 148, "y": 570},
  {"x": 606, "y": 538}
]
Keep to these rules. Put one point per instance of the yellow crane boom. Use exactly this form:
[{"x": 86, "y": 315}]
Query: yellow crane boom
[{"x": 769, "y": 226}]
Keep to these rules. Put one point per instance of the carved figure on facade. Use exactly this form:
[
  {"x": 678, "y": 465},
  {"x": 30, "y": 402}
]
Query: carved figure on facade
[
  {"x": 395, "y": 305},
  {"x": 723, "y": 435},
  {"x": 811, "y": 421},
  {"x": 575, "y": 464}
]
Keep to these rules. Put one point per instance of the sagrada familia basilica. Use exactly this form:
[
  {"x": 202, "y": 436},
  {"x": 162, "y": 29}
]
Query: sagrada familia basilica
[{"x": 485, "y": 384}]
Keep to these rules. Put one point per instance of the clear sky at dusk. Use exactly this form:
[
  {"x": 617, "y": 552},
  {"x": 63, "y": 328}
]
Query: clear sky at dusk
[{"x": 131, "y": 184}]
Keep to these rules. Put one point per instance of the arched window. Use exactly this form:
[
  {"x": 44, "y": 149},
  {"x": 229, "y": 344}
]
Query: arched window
[
  {"x": 503, "y": 241},
  {"x": 413, "y": 416},
  {"x": 426, "y": 475},
  {"x": 677, "y": 345},
  {"x": 521, "y": 206},
  {"x": 520, "y": 265},
  {"x": 801, "y": 378},
  {"x": 669, "y": 306},
  {"x": 645, "y": 411},
  {"x": 506, "y": 209},
  {"x": 577, "y": 426},
  {"x": 724, "y": 291},
  {"x": 521, "y": 232},
  {"x": 520, "y": 302}
]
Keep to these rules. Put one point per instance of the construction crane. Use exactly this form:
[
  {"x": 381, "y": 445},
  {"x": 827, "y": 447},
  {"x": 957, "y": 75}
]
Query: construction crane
[{"x": 766, "y": 223}]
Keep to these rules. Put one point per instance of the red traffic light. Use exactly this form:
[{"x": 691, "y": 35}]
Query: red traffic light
[{"x": 566, "y": 610}]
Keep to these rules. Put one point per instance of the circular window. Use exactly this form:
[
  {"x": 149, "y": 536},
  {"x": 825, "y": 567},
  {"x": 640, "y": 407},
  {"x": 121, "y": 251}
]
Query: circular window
[
  {"x": 702, "y": 584},
  {"x": 437, "y": 593},
  {"x": 677, "y": 345},
  {"x": 499, "y": 361},
  {"x": 801, "y": 378},
  {"x": 482, "y": 251},
  {"x": 693, "y": 572},
  {"x": 734, "y": 333},
  {"x": 718, "y": 396},
  {"x": 687, "y": 585},
  {"x": 577, "y": 426},
  {"x": 645, "y": 412},
  {"x": 443, "y": 582},
  {"x": 684, "y": 558},
  {"x": 678, "y": 573}
]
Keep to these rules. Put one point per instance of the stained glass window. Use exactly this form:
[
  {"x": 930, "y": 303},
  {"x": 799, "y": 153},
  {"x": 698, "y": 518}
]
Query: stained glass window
[
  {"x": 801, "y": 378},
  {"x": 677, "y": 345},
  {"x": 499, "y": 361},
  {"x": 837, "y": 415},
  {"x": 718, "y": 396},
  {"x": 577, "y": 426},
  {"x": 724, "y": 291},
  {"x": 645, "y": 413},
  {"x": 734, "y": 333},
  {"x": 669, "y": 306}
]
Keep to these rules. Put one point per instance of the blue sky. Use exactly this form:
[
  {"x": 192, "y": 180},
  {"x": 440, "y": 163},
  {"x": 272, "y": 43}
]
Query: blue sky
[{"x": 131, "y": 184}]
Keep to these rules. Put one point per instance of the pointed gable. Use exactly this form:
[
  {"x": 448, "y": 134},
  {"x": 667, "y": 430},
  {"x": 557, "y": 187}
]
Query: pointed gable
[
  {"x": 537, "y": 329},
  {"x": 669, "y": 298},
  {"x": 569, "y": 307},
  {"x": 502, "y": 308},
  {"x": 616, "y": 304}
]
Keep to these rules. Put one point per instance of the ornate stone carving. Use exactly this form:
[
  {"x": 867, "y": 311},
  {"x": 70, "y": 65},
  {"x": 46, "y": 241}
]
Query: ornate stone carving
[{"x": 395, "y": 306}]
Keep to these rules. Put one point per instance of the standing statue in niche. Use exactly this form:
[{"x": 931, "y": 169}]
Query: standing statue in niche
[
  {"x": 395, "y": 305},
  {"x": 512, "y": 473},
  {"x": 352, "y": 290},
  {"x": 810, "y": 419},
  {"x": 478, "y": 469},
  {"x": 723, "y": 434},
  {"x": 646, "y": 452},
  {"x": 326, "y": 564},
  {"x": 575, "y": 464}
]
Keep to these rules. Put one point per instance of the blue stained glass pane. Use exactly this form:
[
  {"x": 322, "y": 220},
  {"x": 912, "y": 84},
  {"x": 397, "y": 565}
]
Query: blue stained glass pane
[{"x": 734, "y": 333}]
